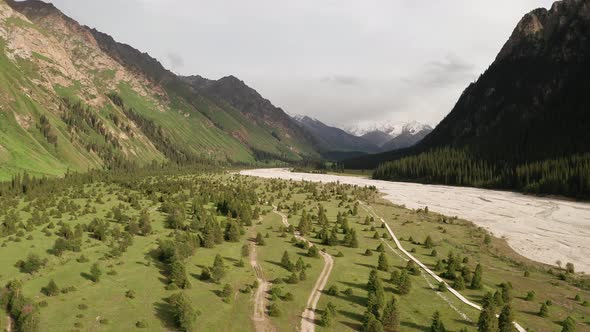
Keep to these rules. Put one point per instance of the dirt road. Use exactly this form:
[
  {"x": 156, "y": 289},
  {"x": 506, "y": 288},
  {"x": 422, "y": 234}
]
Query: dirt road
[
  {"x": 308, "y": 315},
  {"x": 261, "y": 320}
]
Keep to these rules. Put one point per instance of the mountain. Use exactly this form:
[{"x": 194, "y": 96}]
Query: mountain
[
  {"x": 335, "y": 143},
  {"x": 385, "y": 134},
  {"x": 524, "y": 124},
  {"x": 72, "y": 97},
  {"x": 406, "y": 139}
]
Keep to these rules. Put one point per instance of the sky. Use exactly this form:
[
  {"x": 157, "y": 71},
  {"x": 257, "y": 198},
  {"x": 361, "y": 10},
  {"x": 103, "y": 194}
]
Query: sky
[{"x": 344, "y": 62}]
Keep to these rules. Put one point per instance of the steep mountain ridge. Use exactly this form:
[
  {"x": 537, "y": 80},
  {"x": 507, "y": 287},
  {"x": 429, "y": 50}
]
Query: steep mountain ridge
[
  {"x": 525, "y": 123},
  {"x": 74, "y": 98}
]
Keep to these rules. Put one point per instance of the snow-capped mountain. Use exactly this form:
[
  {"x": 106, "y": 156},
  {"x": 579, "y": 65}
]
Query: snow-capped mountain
[{"x": 389, "y": 128}]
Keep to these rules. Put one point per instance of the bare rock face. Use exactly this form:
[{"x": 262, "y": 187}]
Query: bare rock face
[{"x": 540, "y": 29}]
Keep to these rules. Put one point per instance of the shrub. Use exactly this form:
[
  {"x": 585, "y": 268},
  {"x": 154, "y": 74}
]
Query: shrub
[
  {"x": 530, "y": 296},
  {"x": 51, "y": 289},
  {"x": 333, "y": 290},
  {"x": 142, "y": 324},
  {"x": 130, "y": 294},
  {"x": 273, "y": 310}
]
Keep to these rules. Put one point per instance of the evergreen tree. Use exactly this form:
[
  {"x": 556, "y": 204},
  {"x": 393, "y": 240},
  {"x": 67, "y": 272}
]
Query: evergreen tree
[
  {"x": 260, "y": 239},
  {"x": 459, "y": 283},
  {"x": 437, "y": 324},
  {"x": 372, "y": 324},
  {"x": 286, "y": 261},
  {"x": 145, "y": 223},
  {"x": 232, "y": 231},
  {"x": 544, "y": 310},
  {"x": 428, "y": 243},
  {"x": 487, "y": 318},
  {"x": 95, "y": 272},
  {"x": 51, "y": 289},
  {"x": 184, "y": 313},
  {"x": 568, "y": 325},
  {"x": 383, "y": 264},
  {"x": 505, "y": 319},
  {"x": 245, "y": 250},
  {"x": 476, "y": 282},
  {"x": 390, "y": 316},
  {"x": 218, "y": 269},
  {"x": 178, "y": 274},
  {"x": 405, "y": 283}
]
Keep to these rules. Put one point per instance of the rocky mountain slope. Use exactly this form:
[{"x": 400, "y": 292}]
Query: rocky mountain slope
[
  {"x": 525, "y": 123},
  {"x": 73, "y": 98}
]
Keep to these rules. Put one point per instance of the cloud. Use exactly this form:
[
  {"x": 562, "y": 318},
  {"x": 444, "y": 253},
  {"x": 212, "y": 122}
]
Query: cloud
[
  {"x": 175, "y": 60},
  {"x": 342, "y": 80},
  {"x": 450, "y": 71}
]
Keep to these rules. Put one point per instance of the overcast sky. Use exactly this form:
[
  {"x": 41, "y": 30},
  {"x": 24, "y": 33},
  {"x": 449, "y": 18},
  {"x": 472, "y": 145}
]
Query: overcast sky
[{"x": 341, "y": 61}]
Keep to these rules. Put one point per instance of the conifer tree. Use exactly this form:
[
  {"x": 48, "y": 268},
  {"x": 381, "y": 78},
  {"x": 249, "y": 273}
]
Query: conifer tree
[
  {"x": 218, "y": 268},
  {"x": 487, "y": 318},
  {"x": 390, "y": 316},
  {"x": 476, "y": 282},
  {"x": 437, "y": 324},
  {"x": 505, "y": 319},
  {"x": 383, "y": 264}
]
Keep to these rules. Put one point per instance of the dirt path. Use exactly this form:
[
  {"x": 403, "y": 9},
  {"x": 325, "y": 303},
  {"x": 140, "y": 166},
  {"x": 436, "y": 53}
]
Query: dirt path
[
  {"x": 261, "y": 321},
  {"x": 308, "y": 315},
  {"x": 424, "y": 267}
]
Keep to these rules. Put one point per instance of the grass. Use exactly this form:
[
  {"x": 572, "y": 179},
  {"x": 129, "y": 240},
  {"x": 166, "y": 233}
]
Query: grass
[{"x": 500, "y": 262}]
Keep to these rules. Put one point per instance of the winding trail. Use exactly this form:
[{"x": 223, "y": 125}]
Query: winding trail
[
  {"x": 261, "y": 321},
  {"x": 308, "y": 315},
  {"x": 424, "y": 267}
]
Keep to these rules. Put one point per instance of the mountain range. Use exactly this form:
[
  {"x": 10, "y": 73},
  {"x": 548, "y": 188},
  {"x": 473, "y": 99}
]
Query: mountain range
[
  {"x": 338, "y": 143},
  {"x": 73, "y": 98}
]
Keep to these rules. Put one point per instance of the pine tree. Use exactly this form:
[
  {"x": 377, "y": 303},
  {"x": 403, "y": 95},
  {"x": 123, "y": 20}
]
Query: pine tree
[
  {"x": 459, "y": 283},
  {"x": 405, "y": 283},
  {"x": 51, "y": 289},
  {"x": 437, "y": 324},
  {"x": 286, "y": 261},
  {"x": 232, "y": 231},
  {"x": 390, "y": 316},
  {"x": 569, "y": 325},
  {"x": 372, "y": 324},
  {"x": 260, "y": 239},
  {"x": 218, "y": 268},
  {"x": 383, "y": 264},
  {"x": 145, "y": 223},
  {"x": 476, "y": 281},
  {"x": 544, "y": 310},
  {"x": 95, "y": 272},
  {"x": 428, "y": 243},
  {"x": 245, "y": 250},
  {"x": 487, "y": 318},
  {"x": 505, "y": 320},
  {"x": 178, "y": 274}
]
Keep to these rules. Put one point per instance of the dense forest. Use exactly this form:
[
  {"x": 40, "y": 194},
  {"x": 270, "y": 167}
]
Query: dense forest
[{"x": 568, "y": 176}]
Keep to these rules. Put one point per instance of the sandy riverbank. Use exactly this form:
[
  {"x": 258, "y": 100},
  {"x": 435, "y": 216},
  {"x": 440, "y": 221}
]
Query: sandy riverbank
[{"x": 542, "y": 229}]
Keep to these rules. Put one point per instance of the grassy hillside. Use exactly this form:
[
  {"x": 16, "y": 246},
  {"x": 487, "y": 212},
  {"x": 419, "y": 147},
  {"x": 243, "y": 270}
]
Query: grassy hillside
[{"x": 56, "y": 77}]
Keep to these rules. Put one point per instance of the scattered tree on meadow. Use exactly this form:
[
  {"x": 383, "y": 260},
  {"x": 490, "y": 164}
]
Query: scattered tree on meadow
[
  {"x": 437, "y": 325},
  {"x": 505, "y": 320},
  {"x": 95, "y": 272}
]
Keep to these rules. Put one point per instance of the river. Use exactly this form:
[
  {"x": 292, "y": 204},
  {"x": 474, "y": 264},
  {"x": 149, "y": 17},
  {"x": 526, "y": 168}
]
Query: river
[{"x": 542, "y": 229}]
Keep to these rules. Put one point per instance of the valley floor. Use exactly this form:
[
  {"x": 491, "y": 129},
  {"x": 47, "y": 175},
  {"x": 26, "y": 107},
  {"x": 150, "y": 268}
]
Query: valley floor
[{"x": 546, "y": 230}]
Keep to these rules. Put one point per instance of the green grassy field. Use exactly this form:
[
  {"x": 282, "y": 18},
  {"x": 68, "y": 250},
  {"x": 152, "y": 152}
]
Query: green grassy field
[{"x": 105, "y": 306}]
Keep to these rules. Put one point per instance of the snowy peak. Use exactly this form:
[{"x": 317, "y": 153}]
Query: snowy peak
[{"x": 392, "y": 129}]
